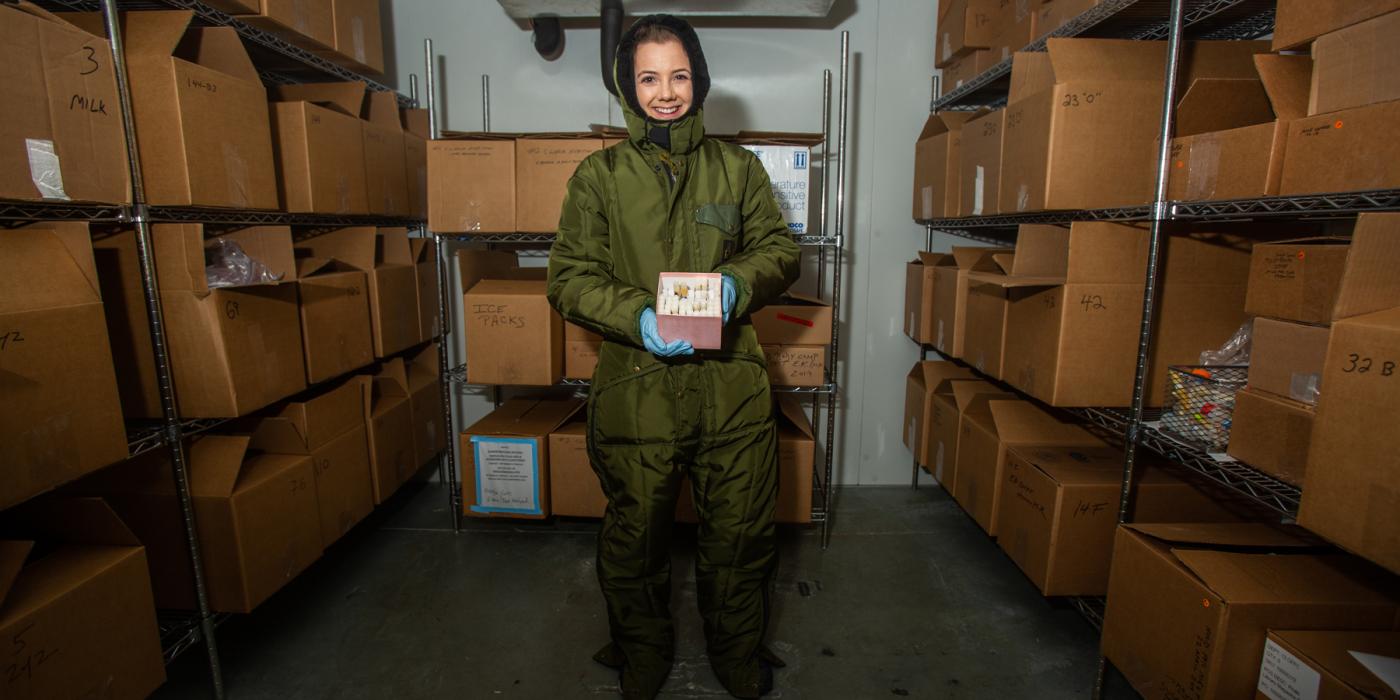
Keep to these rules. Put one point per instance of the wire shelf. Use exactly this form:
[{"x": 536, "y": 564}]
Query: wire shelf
[
  {"x": 1122, "y": 19},
  {"x": 50, "y": 211},
  {"x": 994, "y": 221},
  {"x": 180, "y": 632},
  {"x": 458, "y": 375},
  {"x": 243, "y": 217},
  {"x": 1330, "y": 205},
  {"x": 536, "y": 238},
  {"x": 1092, "y": 609},
  {"x": 146, "y": 436}
]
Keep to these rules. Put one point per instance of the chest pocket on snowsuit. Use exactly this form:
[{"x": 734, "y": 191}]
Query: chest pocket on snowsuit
[{"x": 727, "y": 219}]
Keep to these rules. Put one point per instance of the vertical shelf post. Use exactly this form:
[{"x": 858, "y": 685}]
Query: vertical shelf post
[{"x": 836, "y": 279}]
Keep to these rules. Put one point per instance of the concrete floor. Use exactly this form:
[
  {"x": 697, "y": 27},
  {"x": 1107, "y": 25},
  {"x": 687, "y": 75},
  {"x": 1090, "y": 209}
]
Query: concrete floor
[{"x": 910, "y": 600}]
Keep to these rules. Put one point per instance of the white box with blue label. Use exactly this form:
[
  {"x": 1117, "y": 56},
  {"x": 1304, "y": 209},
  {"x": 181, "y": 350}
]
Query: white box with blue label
[{"x": 788, "y": 159}]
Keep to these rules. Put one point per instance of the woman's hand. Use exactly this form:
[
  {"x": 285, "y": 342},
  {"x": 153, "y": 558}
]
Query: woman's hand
[
  {"x": 653, "y": 341},
  {"x": 727, "y": 295}
]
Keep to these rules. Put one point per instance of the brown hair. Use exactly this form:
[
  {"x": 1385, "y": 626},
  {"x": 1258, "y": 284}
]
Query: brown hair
[{"x": 655, "y": 33}]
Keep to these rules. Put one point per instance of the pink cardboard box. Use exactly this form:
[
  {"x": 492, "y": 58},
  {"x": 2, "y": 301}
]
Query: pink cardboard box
[{"x": 689, "y": 306}]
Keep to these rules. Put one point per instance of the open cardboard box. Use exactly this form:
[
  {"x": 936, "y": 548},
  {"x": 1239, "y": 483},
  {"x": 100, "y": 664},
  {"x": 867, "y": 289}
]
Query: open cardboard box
[
  {"x": 425, "y": 394},
  {"x": 329, "y": 426},
  {"x": 233, "y": 350},
  {"x": 919, "y": 297},
  {"x": 200, "y": 109},
  {"x": 506, "y": 309},
  {"x": 1297, "y": 280},
  {"x": 793, "y": 320},
  {"x": 953, "y": 399},
  {"x": 59, "y": 125},
  {"x": 423, "y": 252},
  {"x": 544, "y": 163},
  {"x": 385, "y": 255},
  {"x": 1353, "y": 491},
  {"x": 1096, "y": 91},
  {"x": 1295, "y": 661},
  {"x": 979, "y": 165},
  {"x": 471, "y": 183},
  {"x": 1231, "y": 133},
  {"x": 952, "y": 281},
  {"x": 61, "y": 417},
  {"x": 965, "y": 26},
  {"x": 505, "y": 459},
  {"x": 989, "y": 430},
  {"x": 1189, "y": 605},
  {"x": 573, "y": 486},
  {"x": 1271, "y": 433},
  {"x": 333, "y": 299},
  {"x": 937, "y": 154},
  {"x": 76, "y": 604},
  {"x": 256, "y": 512},
  {"x": 923, "y": 379},
  {"x": 358, "y": 36},
  {"x": 309, "y": 24},
  {"x": 388, "y": 412},
  {"x": 1076, "y": 309}
]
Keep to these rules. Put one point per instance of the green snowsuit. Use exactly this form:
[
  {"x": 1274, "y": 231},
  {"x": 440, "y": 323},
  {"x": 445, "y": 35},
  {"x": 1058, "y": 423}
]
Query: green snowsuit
[{"x": 708, "y": 416}]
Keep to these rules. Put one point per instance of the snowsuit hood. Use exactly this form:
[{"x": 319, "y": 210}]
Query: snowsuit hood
[{"x": 681, "y": 135}]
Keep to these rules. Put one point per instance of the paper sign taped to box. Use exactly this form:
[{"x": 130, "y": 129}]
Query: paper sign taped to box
[
  {"x": 1284, "y": 677},
  {"x": 507, "y": 475}
]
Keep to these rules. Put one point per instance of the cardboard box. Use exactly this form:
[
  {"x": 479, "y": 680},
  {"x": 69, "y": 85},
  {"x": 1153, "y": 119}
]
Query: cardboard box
[
  {"x": 62, "y": 417},
  {"x": 988, "y": 431},
  {"x": 543, "y": 165},
  {"x": 1015, "y": 29},
  {"x": 415, "y": 164},
  {"x": 388, "y": 412},
  {"x": 423, "y": 252},
  {"x": 1232, "y": 134},
  {"x": 387, "y": 178},
  {"x": 506, "y": 308},
  {"x": 386, "y": 256},
  {"x": 1296, "y": 280},
  {"x": 425, "y": 394},
  {"x": 796, "y": 365},
  {"x": 786, "y": 158},
  {"x": 923, "y": 379},
  {"x": 60, "y": 126},
  {"x": 1323, "y": 664},
  {"x": 1285, "y": 359},
  {"x": 959, "y": 71},
  {"x": 257, "y": 515},
  {"x": 984, "y": 341},
  {"x": 1353, "y": 494},
  {"x": 979, "y": 166},
  {"x": 505, "y": 459},
  {"x": 333, "y": 299},
  {"x": 951, "y": 283},
  {"x": 322, "y": 171},
  {"x": 1085, "y": 91},
  {"x": 233, "y": 350},
  {"x": 965, "y": 26},
  {"x": 309, "y": 24},
  {"x": 581, "y": 349},
  {"x": 1072, "y": 334},
  {"x": 797, "y": 447},
  {"x": 358, "y": 35},
  {"x": 1358, "y": 137},
  {"x": 471, "y": 183},
  {"x": 936, "y": 157},
  {"x": 1356, "y": 66},
  {"x": 1271, "y": 434},
  {"x": 1059, "y": 510},
  {"x": 574, "y": 489},
  {"x": 1057, "y": 13},
  {"x": 329, "y": 426},
  {"x": 919, "y": 297},
  {"x": 201, "y": 117},
  {"x": 952, "y": 399},
  {"x": 1298, "y": 22},
  {"x": 793, "y": 320},
  {"x": 79, "y": 615},
  {"x": 1189, "y": 605}
]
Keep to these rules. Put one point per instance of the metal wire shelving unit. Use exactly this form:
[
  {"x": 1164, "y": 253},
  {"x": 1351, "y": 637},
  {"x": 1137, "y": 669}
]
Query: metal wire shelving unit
[
  {"x": 1122, "y": 19},
  {"x": 828, "y": 244}
]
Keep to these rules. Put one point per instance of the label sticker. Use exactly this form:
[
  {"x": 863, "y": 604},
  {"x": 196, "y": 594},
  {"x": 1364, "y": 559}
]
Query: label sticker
[
  {"x": 979, "y": 191},
  {"x": 507, "y": 474},
  {"x": 44, "y": 169},
  {"x": 1283, "y": 676}
]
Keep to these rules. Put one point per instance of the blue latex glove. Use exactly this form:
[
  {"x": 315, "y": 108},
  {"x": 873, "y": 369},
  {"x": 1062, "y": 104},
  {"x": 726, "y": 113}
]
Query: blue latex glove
[
  {"x": 651, "y": 338},
  {"x": 728, "y": 293}
]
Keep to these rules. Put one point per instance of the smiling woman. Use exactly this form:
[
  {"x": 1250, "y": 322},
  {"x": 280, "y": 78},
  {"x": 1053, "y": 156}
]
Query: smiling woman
[{"x": 663, "y": 78}]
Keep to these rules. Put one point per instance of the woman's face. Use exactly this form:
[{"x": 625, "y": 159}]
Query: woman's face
[{"x": 664, "y": 88}]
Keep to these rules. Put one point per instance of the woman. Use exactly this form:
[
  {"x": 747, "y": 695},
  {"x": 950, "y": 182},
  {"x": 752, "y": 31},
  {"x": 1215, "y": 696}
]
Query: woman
[{"x": 669, "y": 199}]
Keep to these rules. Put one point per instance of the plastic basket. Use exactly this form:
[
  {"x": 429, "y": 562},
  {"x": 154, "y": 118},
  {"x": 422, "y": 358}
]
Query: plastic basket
[{"x": 1201, "y": 404}]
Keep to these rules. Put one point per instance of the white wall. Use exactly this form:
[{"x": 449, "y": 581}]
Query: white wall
[{"x": 767, "y": 76}]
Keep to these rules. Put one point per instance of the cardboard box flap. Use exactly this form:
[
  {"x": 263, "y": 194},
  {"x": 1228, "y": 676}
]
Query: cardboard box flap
[
  {"x": 1218, "y": 104},
  {"x": 269, "y": 245},
  {"x": 47, "y": 265},
  {"x": 393, "y": 371},
  {"x": 423, "y": 367},
  {"x": 1105, "y": 59},
  {"x": 526, "y": 417},
  {"x": 347, "y": 96},
  {"x": 84, "y": 520},
  {"x": 1234, "y": 535},
  {"x": 392, "y": 246},
  {"x": 476, "y": 265},
  {"x": 777, "y": 138},
  {"x": 973, "y": 258},
  {"x": 308, "y": 266},
  {"x": 1031, "y": 74},
  {"x": 1287, "y": 80},
  {"x": 145, "y": 35},
  {"x": 220, "y": 49},
  {"x": 928, "y": 373},
  {"x": 13, "y": 553},
  {"x": 30, "y": 8},
  {"x": 477, "y": 136},
  {"x": 381, "y": 108},
  {"x": 1369, "y": 282},
  {"x": 1078, "y": 464},
  {"x": 1267, "y": 578},
  {"x": 1332, "y": 650},
  {"x": 966, "y": 391},
  {"x": 508, "y": 287},
  {"x": 928, "y": 259},
  {"x": 1005, "y": 262},
  {"x": 1041, "y": 251},
  {"x": 421, "y": 250},
  {"x": 279, "y": 436},
  {"x": 1021, "y": 422},
  {"x": 215, "y": 464},
  {"x": 354, "y": 246},
  {"x": 327, "y": 414},
  {"x": 792, "y": 410},
  {"x": 1108, "y": 253}
]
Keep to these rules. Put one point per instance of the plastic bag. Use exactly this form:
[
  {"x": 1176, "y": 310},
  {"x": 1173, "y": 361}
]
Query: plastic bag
[
  {"x": 226, "y": 265},
  {"x": 1235, "y": 351}
]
